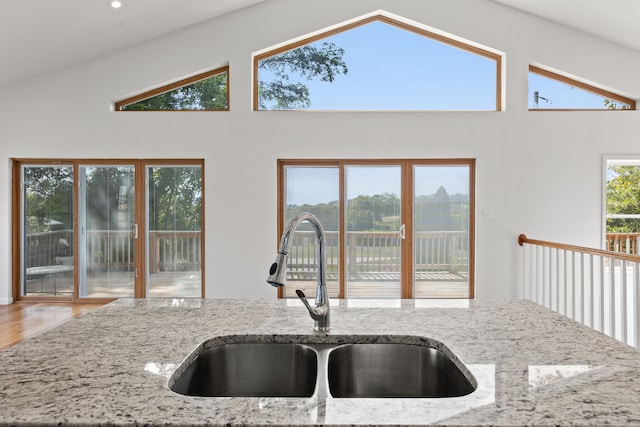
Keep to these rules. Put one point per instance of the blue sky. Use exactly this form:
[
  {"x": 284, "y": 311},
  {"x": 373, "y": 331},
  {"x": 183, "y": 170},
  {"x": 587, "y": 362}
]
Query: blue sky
[
  {"x": 314, "y": 185},
  {"x": 561, "y": 95},
  {"x": 394, "y": 69}
]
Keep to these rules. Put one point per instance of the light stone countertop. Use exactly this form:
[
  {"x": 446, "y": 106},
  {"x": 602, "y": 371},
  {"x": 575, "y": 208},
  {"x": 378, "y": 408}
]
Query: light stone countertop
[{"x": 111, "y": 366}]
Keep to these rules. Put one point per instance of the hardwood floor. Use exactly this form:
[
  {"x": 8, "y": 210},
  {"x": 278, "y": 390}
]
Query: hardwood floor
[{"x": 22, "y": 320}]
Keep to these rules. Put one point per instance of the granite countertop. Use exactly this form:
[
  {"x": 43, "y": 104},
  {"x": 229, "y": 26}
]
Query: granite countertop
[{"x": 111, "y": 366}]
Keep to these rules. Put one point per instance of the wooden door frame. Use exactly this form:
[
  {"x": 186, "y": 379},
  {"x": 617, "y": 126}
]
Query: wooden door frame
[
  {"x": 140, "y": 175},
  {"x": 407, "y": 193}
]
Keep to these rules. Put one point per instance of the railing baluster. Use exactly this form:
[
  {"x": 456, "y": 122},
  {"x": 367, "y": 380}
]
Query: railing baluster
[
  {"x": 534, "y": 273},
  {"x": 623, "y": 302},
  {"x": 545, "y": 276},
  {"x": 565, "y": 299},
  {"x": 525, "y": 273},
  {"x": 612, "y": 297},
  {"x": 601, "y": 294},
  {"x": 636, "y": 304},
  {"x": 591, "y": 293},
  {"x": 582, "y": 288},
  {"x": 573, "y": 285},
  {"x": 550, "y": 278},
  {"x": 537, "y": 286}
]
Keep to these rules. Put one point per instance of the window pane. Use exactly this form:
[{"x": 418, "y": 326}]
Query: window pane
[
  {"x": 207, "y": 94},
  {"x": 175, "y": 231},
  {"x": 314, "y": 190},
  {"x": 623, "y": 205},
  {"x": 377, "y": 66},
  {"x": 107, "y": 249},
  {"x": 373, "y": 243},
  {"x": 47, "y": 231},
  {"x": 441, "y": 231},
  {"x": 547, "y": 93}
]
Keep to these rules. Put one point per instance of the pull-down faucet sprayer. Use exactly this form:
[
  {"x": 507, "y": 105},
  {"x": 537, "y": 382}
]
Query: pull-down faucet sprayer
[{"x": 278, "y": 271}]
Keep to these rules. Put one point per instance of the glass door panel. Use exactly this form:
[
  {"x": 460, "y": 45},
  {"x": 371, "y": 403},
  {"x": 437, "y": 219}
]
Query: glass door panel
[
  {"x": 47, "y": 231},
  {"x": 373, "y": 251},
  {"x": 174, "y": 237},
  {"x": 107, "y": 231},
  {"x": 441, "y": 209},
  {"x": 315, "y": 190}
]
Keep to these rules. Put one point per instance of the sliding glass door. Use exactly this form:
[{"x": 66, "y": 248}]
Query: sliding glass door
[
  {"x": 174, "y": 224},
  {"x": 108, "y": 229},
  {"x": 441, "y": 230},
  {"x": 373, "y": 231},
  {"x": 314, "y": 189},
  {"x": 395, "y": 228},
  {"x": 47, "y": 233}
]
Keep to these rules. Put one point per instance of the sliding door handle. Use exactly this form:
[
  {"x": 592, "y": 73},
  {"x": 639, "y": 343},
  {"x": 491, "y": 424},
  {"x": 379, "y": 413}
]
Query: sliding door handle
[
  {"x": 134, "y": 231},
  {"x": 402, "y": 232}
]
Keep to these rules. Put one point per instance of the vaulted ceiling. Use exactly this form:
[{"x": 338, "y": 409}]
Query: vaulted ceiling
[{"x": 41, "y": 36}]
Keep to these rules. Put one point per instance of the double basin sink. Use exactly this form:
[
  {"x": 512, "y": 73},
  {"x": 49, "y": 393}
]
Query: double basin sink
[{"x": 331, "y": 367}]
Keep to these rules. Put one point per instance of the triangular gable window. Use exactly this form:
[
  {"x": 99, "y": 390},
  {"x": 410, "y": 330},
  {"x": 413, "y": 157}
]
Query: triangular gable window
[
  {"x": 552, "y": 91},
  {"x": 378, "y": 63},
  {"x": 208, "y": 91}
]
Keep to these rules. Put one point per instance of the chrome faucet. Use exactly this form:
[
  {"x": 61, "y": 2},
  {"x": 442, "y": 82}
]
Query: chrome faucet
[{"x": 278, "y": 271}]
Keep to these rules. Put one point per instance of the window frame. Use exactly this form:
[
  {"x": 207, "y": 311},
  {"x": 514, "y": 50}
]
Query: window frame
[
  {"x": 607, "y": 161},
  {"x": 141, "y": 214},
  {"x": 584, "y": 86},
  {"x": 118, "y": 105},
  {"x": 407, "y": 285},
  {"x": 390, "y": 21}
]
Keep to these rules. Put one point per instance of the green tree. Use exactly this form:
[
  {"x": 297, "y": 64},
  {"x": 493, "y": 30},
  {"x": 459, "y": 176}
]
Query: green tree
[
  {"x": 310, "y": 62},
  {"x": 175, "y": 198},
  {"x": 623, "y": 197},
  {"x": 208, "y": 94},
  {"x": 613, "y": 105},
  {"x": 327, "y": 213},
  {"x": 48, "y": 197},
  {"x": 379, "y": 212},
  {"x": 110, "y": 194}
]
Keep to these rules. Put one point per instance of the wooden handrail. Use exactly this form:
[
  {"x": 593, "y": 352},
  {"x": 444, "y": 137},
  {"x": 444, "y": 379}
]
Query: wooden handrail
[{"x": 522, "y": 239}]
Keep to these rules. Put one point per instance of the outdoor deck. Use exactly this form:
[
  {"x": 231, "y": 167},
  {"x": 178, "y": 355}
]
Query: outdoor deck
[
  {"x": 118, "y": 284},
  {"x": 385, "y": 285},
  {"x": 187, "y": 284},
  {"x": 373, "y": 259}
]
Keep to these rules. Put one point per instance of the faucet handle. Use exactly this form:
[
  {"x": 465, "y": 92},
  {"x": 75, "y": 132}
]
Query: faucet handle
[
  {"x": 303, "y": 298},
  {"x": 319, "y": 313}
]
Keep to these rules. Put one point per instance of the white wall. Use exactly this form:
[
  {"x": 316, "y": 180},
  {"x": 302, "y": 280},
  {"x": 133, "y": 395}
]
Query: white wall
[{"x": 539, "y": 173}]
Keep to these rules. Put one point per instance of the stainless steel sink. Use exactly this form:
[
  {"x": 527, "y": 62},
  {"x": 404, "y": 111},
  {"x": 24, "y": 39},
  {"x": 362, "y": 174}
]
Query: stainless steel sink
[
  {"x": 250, "y": 370},
  {"x": 333, "y": 367},
  {"x": 394, "y": 370}
]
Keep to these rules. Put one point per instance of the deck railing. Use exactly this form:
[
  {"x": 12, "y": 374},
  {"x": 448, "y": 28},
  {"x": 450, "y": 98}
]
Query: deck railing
[
  {"x": 369, "y": 251},
  {"x": 176, "y": 250},
  {"x": 623, "y": 242},
  {"x": 598, "y": 288},
  {"x": 113, "y": 250},
  {"x": 43, "y": 248}
]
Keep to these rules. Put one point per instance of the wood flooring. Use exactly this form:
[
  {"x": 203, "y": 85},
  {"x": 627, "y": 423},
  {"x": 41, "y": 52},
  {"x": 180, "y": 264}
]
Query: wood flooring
[{"x": 22, "y": 320}]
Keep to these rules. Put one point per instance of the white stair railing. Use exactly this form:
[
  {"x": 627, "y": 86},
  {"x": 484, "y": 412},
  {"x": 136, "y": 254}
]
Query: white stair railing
[{"x": 598, "y": 288}]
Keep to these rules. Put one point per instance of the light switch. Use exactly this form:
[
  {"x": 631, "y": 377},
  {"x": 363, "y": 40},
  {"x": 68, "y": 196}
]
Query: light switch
[{"x": 487, "y": 214}]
